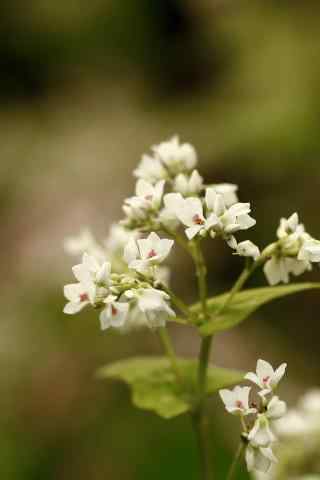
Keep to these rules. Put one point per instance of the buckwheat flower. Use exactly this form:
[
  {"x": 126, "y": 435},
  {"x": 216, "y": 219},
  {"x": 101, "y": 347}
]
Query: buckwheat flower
[
  {"x": 278, "y": 269},
  {"x": 153, "y": 303},
  {"x": 310, "y": 251},
  {"x": 248, "y": 249},
  {"x": 261, "y": 435},
  {"x": 150, "y": 169},
  {"x": 148, "y": 198},
  {"x": 114, "y": 314},
  {"x": 259, "y": 459},
  {"x": 93, "y": 277},
  {"x": 266, "y": 377},
  {"x": 78, "y": 296},
  {"x": 276, "y": 408},
  {"x": 168, "y": 215},
  {"x": 237, "y": 400},
  {"x": 92, "y": 271},
  {"x": 290, "y": 225},
  {"x": 145, "y": 253},
  {"x": 228, "y": 192},
  {"x": 177, "y": 157},
  {"x": 190, "y": 212},
  {"x": 188, "y": 185},
  {"x": 228, "y": 220}
]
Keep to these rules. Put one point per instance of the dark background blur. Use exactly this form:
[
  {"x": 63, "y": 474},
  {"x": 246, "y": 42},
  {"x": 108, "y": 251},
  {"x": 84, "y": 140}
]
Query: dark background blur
[{"x": 85, "y": 88}]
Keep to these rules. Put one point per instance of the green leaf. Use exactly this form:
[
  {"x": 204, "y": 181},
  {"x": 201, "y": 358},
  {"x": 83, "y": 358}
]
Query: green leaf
[
  {"x": 155, "y": 387},
  {"x": 243, "y": 304}
]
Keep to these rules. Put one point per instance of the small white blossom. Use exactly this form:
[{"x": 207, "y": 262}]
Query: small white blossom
[
  {"x": 78, "y": 296},
  {"x": 237, "y": 400},
  {"x": 228, "y": 192},
  {"x": 153, "y": 303},
  {"x": 248, "y": 249},
  {"x": 150, "y": 169},
  {"x": 259, "y": 459},
  {"x": 148, "y": 198},
  {"x": 145, "y": 253},
  {"x": 228, "y": 220},
  {"x": 261, "y": 435},
  {"x": 190, "y": 213},
  {"x": 168, "y": 215},
  {"x": 266, "y": 377},
  {"x": 93, "y": 278},
  {"x": 278, "y": 269},
  {"x": 310, "y": 251},
  {"x": 114, "y": 314},
  {"x": 177, "y": 157},
  {"x": 276, "y": 408},
  {"x": 188, "y": 185}
]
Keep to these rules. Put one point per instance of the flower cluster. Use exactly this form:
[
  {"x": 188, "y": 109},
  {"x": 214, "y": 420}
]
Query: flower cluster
[
  {"x": 295, "y": 251},
  {"x": 138, "y": 291},
  {"x": 170, "y": 193},
  {"x": 258, "y": 415}
]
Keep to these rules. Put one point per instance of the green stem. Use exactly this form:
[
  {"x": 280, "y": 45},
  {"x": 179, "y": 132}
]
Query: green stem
[
  {"x": 200, "y": 429},
  {"x": 169, "y": 349},
  {"x": 198, "y": 416},
  {"x": 236, "y": 460}
]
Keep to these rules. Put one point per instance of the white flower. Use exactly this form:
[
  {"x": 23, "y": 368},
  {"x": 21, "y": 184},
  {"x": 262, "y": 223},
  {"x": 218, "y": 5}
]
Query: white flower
[
  {"x": 310, "y": 251},
  {"x": 228, "y": 191},
  {"x": 148, "y": 197},
  {"x": 118, "y": 238},
  {"x": 114, "y": 314},
  {"x": 78, "y": 297},
  {"x": 92, "y": 271},
  {"x": 190, "y": 212},
  {"x": 289, "y": 226},
  {"x": 188, "y": 185},
  {"x": 261, "y": 435},
  {"x": 248, "y": 249},
  {"x": 278, "y": 269},
  {"x": 177, "y": 157},
  {"x": 237, "y": 400},
  {"x": 93, "y": 280},
  {"x": 153, "y": 303},
  {"x": 265, "y": 377},
  {"x": 276, "y": 408},
  {"x": 145, "y": 253},
  {"x": 150, "y": 169},
  {"x": 84, "y": 242},
  {"x": 259, "y": 459},
  {"x": 228, "y": 220},
  {"x": 168, "y": 215}
]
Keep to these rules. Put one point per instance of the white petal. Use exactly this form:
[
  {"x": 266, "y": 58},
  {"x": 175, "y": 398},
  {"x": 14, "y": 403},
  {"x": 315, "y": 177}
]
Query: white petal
[
  {"x": 191, "y": 232},
  {"x": 131, "y": 251}
]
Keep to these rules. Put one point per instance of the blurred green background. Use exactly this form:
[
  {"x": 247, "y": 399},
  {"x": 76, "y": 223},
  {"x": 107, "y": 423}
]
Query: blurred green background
[{"x": 85, "y": 89}]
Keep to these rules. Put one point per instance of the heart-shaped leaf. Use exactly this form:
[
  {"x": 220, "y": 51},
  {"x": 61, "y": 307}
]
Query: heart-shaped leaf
[
  {"x": 155, "y": 387},
  {"x": 243, "y": 304}
]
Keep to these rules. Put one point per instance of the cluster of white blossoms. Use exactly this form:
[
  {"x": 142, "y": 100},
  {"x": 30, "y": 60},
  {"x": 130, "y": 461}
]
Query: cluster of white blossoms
[
  {"x": 137, "y": 292},
  {"x": 170, "y": 195},
  {"x": 299, "y": 432},
  {"x": 295, "y": 251},
  {"x": 258, "y": 415}
]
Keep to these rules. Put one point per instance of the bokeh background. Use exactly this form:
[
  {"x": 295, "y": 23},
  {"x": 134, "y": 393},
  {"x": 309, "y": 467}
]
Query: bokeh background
[{"x": 85, "y": 89}]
